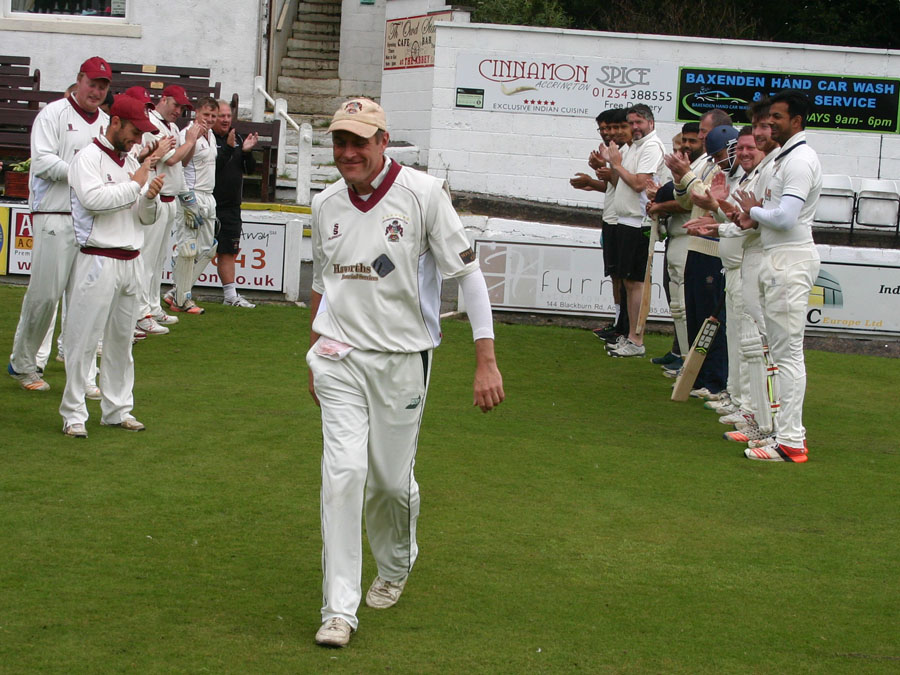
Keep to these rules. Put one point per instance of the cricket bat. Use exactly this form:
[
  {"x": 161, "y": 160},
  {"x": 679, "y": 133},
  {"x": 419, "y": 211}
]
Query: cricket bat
[
  {"x": 648, "y": 276},
  {"x": 695, "y": 359}
]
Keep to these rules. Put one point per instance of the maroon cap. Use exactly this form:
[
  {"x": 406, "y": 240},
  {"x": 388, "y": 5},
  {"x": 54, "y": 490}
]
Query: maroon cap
[
  {"x": 129, "y": 109},
  {"x": 139, "y": 94},
  {"x": 96, "y": 68},
  {"x": 178, "y": 94}
]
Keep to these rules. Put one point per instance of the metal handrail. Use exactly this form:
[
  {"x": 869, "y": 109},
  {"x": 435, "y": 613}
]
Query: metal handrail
[{"x": 304, "y": 137}]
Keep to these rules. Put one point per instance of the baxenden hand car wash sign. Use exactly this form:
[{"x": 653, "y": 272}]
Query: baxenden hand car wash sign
[{"x": 845, "y": 103}]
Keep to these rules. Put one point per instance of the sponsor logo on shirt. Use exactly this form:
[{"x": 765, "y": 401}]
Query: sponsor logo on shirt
[
  {"x": 335, "y": 232},
  {"x": 467, "y": 256},
  {"x": 359, "y": 271}
]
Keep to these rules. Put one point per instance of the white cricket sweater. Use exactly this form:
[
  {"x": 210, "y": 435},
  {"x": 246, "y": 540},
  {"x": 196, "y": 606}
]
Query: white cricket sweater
[
  {"x": 379, "y": 262},
  {"x": 107, "y": 206},
  {"x": 60, "y": 130}
]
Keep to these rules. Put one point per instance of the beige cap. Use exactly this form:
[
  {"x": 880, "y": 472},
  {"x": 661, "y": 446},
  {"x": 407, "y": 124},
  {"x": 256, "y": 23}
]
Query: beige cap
[{"x": 360, "y": 116}]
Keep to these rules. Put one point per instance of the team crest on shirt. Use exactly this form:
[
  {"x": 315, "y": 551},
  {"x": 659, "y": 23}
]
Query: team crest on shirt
[{"x": 393, "y": 227}]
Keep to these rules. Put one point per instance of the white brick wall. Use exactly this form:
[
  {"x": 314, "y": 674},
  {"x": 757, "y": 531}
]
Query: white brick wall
[
  {"x": 362, "y": 48},
  {"x": 199, "y": 34},
  {"x": 534, "y": 156},
  {"x": 406, "y": 94}
]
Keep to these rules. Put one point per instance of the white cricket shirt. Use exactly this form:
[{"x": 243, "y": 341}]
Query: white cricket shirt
[
  {"x": 60, "y": 130},
  {"x": 795, "y": 171},
  {"x": 379, "y": 262},
  {"x": 106, "y": 204},
  {"x": 200, "y": 172},
  {"x": 173, "y": 175}
]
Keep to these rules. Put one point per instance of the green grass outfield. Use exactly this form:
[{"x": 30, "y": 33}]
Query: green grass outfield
[{"x": 587, "y": 525}]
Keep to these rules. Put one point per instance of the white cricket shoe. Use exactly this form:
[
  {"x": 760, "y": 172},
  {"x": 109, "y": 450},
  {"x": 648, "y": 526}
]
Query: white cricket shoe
[
  {"x": 334, "y": 633},
  {"x": 724, "y": 399},
  {"x": 76, "y": 430},
  {"x": 93, "y": 393},
  {"x": 29, "y": 381},
  {"x": 777, "y": 452},
  {"x": 746, "y": 433},
  {"x": 383, "y": 593},
  {"x": 761, "y": 442},
  {"x": 737, "y": 417},
  {"x": 128, "y": 424},
  {"x": 620, "y": 340},
  {"x": 149, "y": 325},
  {"x": 628, "y": 349},
  {"x": 164, "y": 319},
  {"x": 239, "y": 301},
  {"x": 723, "y": 409}
]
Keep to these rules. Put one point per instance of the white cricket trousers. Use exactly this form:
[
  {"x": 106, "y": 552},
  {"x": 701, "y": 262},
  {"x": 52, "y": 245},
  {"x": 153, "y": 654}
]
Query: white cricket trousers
[
  {"x": 676, "y": 258},
  {"x": 103, "y": 296},
  {"x": 154, "y": 253},
  {"x": 52, "y": 259},
  {"x": 786, "y": 277},
  {"x": 194, "y": 247},
  {"x": 372, "y": 405},
  {"x": 734, "y": 309},
  {"x": 752, "y": 321}
]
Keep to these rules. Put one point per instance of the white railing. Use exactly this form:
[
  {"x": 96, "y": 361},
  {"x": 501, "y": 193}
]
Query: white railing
[{"x": 304, "y": 137}]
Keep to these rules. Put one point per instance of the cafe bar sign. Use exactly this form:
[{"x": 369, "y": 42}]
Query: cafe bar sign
[{"x": 409, "y": 42}]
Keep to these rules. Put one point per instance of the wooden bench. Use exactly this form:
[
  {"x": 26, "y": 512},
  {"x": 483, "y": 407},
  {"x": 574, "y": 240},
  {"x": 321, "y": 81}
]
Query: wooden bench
[
  {"x": 155, "y": 78},
  {"x": 15, "y": 72},
  {"x": 267, "y": 147},
  {"x": 15, "y": 132},
  {"x": 27, "y": 98}
]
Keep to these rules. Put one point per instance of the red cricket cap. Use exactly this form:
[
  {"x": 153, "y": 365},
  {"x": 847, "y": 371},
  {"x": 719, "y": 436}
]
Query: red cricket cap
[
  {"x": 97, "y": 68},
  {"x": 139, "y": 94},
  {"x": 129, "y": 109},
  {"x": 178, "y": 94}
]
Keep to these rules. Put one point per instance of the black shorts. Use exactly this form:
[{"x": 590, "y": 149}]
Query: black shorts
[
  {"x": 229, "y": 235},
  {"x": 633, "y": 243},
  {"x": 610, "y": 249}
]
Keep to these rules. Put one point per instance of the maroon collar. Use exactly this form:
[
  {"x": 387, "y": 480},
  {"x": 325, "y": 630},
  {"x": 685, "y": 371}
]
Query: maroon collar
[
  {"x": 366, "y": 205},
  {"x": 90, "y": 118},
  {"x": 118, "y": 159}
]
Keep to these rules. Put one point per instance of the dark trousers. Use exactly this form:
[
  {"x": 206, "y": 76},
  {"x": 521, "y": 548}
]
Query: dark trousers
[{"x": 704, "y": 293}]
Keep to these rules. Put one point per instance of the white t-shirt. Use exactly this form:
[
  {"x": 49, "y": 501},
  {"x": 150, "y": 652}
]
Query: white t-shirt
[
  {"x": 379, "y": 262},
  {"x": 609, "y": 201},
  {"x": 646, "y": 157}
]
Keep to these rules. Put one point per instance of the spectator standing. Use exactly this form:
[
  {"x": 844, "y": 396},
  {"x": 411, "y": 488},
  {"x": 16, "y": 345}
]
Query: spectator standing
[{"x": 234, "y": 158}]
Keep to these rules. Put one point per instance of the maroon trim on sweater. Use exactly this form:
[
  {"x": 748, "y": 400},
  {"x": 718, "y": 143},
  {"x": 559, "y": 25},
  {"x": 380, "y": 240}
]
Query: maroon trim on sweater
[
  {"x": 117, "y": 253},
  {"x": 120, "y": 160},
  {"x": 167, "y": 198},
  {"x": 366, "y": 205},
  {"x": 90, "y": 118}
]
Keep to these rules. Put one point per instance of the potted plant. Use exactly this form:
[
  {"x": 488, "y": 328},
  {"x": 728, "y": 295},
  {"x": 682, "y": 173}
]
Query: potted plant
[{"x": 17, "y": 179}]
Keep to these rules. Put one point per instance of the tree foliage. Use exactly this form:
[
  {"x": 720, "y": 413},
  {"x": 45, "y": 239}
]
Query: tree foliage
[{"x": 874, "y": 23}]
